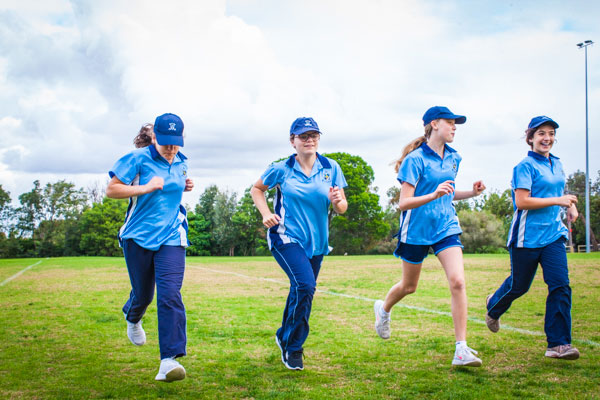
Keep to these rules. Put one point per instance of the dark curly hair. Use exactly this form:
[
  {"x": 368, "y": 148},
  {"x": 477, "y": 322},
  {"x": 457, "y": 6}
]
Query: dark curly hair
[{"x": 144, "y": 136}]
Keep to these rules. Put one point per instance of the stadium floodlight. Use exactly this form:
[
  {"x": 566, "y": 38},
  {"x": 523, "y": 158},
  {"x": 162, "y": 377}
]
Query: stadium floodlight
[{"x": 584, "y": 45}]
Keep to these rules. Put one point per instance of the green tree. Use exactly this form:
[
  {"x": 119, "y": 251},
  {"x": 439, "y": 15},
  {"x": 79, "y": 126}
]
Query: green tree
[
  {"x": 6, "y": 213},
  {"x": 250, "y": 233},
  {"x": 576, "y": 185},
  {"x": 363, "y": 225},
  {"x": 99, "y": 227},
  {"x": 198, "y": 235},
  {"x": 499, "y": 204},
  {"x": 482, "y": 232},
  {"x": 31, "y": 211}
]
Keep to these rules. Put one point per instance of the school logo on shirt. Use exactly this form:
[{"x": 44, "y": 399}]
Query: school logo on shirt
[
  {"x": 184, "y": 172},
  {"x": 454, "y": 166},
  {"x": 326, "y": 176}
]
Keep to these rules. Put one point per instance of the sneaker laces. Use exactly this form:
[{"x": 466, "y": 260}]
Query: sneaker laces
[{"x": 466, "y": 349}]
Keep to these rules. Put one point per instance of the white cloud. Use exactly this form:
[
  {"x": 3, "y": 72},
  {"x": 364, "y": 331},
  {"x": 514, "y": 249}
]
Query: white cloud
[{"x": 78, "y": 79}]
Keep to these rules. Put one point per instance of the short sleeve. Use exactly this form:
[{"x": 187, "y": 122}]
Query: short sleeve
[
  {"x": 410, "y": 170},
  {"x": 522, "y": 176},
  {"x": 126, "y": 168},
  {"x": 273, "y": 175},
  {"x": 339, "y": 179}
]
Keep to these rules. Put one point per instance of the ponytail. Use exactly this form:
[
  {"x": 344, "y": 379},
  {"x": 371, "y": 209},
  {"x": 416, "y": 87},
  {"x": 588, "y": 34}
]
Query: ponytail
[
  {"x": 144, "y": 136},
  {"x": 412, "y": 146}
]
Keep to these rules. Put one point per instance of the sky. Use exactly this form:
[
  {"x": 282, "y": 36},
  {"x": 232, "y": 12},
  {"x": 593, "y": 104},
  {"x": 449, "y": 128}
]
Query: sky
[{"x": 79, "y": 78}]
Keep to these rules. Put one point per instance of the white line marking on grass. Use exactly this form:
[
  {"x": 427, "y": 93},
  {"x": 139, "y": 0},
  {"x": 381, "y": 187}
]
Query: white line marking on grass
[
  {"x": 4, "y": 282},
  {"x": 417, "y": 308}
]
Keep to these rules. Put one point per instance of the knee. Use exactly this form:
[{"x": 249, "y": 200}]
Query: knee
[
  {"x": 457, "y": 285},
  {"x": 409, "y": 288},
  {"x": 306, "y": 287}
]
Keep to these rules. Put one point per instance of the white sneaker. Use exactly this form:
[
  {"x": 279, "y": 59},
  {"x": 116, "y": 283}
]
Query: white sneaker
[
  {"x": 382, "y": 324},
  {"x": 170, "y": 370},
  {"x": 135, "y": 332},
  {"x": 465, "y": 356}
]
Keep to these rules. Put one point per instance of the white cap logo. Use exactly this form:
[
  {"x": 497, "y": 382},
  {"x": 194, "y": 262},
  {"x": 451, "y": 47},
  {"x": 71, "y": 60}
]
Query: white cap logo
[
  {"x": 172, "y": 126},
  {"x": 307, "y": 123}
]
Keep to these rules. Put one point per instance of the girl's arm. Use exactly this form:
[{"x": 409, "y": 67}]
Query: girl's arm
[
  {"x": 118, "y": 190},
  {"x": 478, "y": 187},
  {"x": 524, "y": 201},
  {"x": 258, "y": 196},
  {"x": 408, "y": 200}
]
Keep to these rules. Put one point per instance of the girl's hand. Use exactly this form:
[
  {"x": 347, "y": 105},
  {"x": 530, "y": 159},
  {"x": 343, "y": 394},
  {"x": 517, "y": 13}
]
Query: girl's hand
[
  {"x": 443, "y": 189},
  {"x": 335, "y": 195},
  {"x": 567, "y": 200},
  {"x": 156, "y": 183},
  {"x": 478, "y": 187},
  {"x": 572, "y": 214},
  {"x": 271, "y": 220},
  {"x": 189, "y": 185}
]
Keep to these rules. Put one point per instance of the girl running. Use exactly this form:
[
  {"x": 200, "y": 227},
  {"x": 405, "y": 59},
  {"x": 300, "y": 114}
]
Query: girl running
[
  {"x": 537, "y": 236},
  {"x": 307, "y": 183},
  {"x": 426, "y": 171},
  {"x": 154, "y": 236}
]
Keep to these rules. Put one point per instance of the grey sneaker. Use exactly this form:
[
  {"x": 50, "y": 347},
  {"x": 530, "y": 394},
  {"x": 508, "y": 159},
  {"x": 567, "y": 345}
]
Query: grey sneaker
[
  {"x": 135, "y": 332},
  {"x": 382, "y": 324},
  {"x": 465, "y": 356},
  {"x": 564, "y": 352},
  {"x": 294, "y": 360},
  {"x": 492, "y": 324},
  {"x": 283, "y": 360}
]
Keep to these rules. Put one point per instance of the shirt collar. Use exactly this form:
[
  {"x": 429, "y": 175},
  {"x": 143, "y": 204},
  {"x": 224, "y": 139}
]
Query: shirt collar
[
  {"x": 323, "y": 161},
  {"x": 429, "y": 150},
  {"x": 154, "y": 153},
  {"x": 540, "y": 157}
]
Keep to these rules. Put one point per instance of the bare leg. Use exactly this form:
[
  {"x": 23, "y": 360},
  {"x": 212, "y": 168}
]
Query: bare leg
[
  {"x": 408, "y": 285},
  {"x": 452, "y": 261}
]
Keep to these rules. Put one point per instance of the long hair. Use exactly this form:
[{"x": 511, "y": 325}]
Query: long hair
[
  {"x": 412, "y": 146},
  {"x": 144, "y": 136}
]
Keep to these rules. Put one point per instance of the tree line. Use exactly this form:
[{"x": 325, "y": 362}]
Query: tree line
[{"x": 59, "y": 219}]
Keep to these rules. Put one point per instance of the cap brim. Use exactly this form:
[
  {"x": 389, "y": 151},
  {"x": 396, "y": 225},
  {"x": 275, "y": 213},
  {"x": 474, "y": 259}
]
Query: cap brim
[
  {"x": 459, "y": 119},
  {"x": 305, "y": 129},
  {"x": 169, "y": 140}
]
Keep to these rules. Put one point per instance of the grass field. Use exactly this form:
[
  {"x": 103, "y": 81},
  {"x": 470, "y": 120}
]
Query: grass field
[{"x": 62, "y": 334}]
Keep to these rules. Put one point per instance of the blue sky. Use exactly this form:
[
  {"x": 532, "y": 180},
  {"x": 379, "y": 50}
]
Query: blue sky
[{"x": 78, "y": 79}]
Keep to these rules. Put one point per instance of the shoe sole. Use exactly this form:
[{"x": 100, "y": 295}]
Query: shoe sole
[
  {"x": 376, "y": 316},
  {"x": 568, "y": 356},
  {"x": 293, "y": 368},
  {"x": 474, "y": 363},
  {"x": 176, "y": 374},
  {"x": 281, "y": 349}
]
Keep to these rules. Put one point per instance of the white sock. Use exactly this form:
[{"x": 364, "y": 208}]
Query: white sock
[
  {"x": 461, "y": 343},
  {"x": 384, "y": 313}
]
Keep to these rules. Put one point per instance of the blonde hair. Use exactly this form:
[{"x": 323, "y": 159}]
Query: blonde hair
[{"x": 412, "y": 146}]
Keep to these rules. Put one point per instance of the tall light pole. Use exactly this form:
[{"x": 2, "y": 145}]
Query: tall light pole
[{"x": 584, "y": 45}]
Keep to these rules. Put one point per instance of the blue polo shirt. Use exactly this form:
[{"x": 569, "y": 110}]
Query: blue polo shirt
[
  {"x": 157, "y": 218},
  {"x": 302, "y": 202},
  {"x": 543, "y": 177},
  {"x": 425, "y": 170}
]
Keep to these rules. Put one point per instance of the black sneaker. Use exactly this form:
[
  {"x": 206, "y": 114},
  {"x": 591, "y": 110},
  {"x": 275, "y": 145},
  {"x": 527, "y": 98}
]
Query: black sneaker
[
  {"x": 280, "y": 348},
  {"x": 293, "y": 360}
]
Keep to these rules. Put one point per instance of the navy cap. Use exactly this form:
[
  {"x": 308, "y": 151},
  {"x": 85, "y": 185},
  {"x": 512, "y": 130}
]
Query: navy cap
[
  {"x": 541, "y": 120},
  {"x": 168, "y": 129},
  {"x": 442, "y": 112},
  {"x": 304, "y": 124}
]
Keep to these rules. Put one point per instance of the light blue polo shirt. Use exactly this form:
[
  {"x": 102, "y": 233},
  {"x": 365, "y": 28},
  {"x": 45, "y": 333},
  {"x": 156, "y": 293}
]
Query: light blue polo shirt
[
  {"x": 543, "y": 177},
  {"x": 425, "y": 170},
  {"x": 302, "y": 202},
  {"x": 157, "y": 218}
]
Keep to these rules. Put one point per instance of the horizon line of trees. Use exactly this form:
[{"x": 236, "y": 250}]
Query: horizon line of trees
[{"x": 59, "y": 219}]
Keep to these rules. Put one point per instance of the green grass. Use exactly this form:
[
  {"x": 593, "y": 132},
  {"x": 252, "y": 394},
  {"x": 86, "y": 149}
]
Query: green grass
[{"x": 62, "y": 334}]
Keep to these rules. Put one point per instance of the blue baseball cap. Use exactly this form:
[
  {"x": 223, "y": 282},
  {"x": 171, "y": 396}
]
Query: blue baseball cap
[
  {"x": 438, "y": 112},
  {"x": 304, "y": 124},
  {"x": 541, "y": 120},
  {"x": 168, "y": 129}
]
